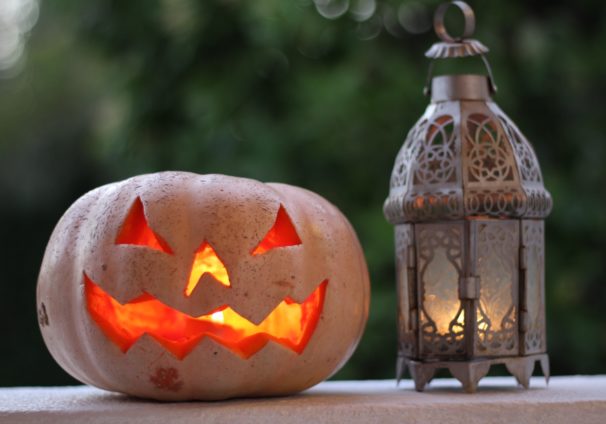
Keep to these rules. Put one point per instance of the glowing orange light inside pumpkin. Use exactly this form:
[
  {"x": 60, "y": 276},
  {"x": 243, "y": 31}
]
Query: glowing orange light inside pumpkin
[
  {"x": 290, "y": 324},
  {"x": 136, "y": 231},
  {"x": 206, "y": 261},
  {"x": 282, "y": 234}
]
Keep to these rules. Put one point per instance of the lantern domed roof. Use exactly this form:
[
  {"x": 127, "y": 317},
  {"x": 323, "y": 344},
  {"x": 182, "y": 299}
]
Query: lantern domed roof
[{"x": 465, "y": 158}]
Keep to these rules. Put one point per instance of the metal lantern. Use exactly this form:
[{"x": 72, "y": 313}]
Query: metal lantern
[{"x": 467, "y": 201}]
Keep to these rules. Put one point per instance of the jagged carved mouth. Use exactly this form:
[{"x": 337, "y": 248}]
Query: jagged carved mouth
[{"x": 290, "y": 324}]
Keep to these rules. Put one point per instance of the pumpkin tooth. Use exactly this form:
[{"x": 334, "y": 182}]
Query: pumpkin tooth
[{"x": 290, "y": 324}]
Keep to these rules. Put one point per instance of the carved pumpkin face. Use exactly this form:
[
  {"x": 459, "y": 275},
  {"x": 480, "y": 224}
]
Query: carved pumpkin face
[{"x": 181, "y": 286}]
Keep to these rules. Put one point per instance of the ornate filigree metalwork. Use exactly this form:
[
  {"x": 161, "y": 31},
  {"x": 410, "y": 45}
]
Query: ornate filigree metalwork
[
  {"x": 489, "y": 157},
  {"x": 465, "y": 158}
]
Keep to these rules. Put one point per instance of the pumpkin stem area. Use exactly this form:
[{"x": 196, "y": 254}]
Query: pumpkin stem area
[{"x": 290, "y": 324}]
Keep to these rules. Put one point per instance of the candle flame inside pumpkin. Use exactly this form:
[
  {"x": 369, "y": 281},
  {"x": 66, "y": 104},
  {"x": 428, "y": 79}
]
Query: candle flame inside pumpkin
[{"x": 290, "y": 324}]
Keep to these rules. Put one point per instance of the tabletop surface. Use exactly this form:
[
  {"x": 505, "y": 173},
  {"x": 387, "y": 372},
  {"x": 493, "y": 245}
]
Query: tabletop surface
[{"x": 580, "y": 399}]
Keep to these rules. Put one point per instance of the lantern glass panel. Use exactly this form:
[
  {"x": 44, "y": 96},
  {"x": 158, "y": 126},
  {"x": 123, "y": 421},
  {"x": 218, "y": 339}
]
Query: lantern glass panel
[
  {"x": 440, "y": 261},
  {"x": 405, "y": 273},
  {"x": 497, "y": 267},
  {"x": 440, "y": 294},
  {"x": 533, "y": 303},
  {"x": 533, "y": 284}
]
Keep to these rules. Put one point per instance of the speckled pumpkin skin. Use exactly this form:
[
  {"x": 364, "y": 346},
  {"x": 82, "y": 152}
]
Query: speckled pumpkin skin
[{"x": 232, "y": 214}]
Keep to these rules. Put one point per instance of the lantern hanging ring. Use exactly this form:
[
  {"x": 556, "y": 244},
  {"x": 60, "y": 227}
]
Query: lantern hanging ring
[
  {"x": 460, "y": 46},
  {"x": 440, "y": 28}
]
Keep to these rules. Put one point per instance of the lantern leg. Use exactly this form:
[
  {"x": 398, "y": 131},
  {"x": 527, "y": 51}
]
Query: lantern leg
[
  {"x": 521, "y": 369},
  {"x": 421, "y": 374},
  {"x": 469, "y": 373},
  {"x": 400, "y": 369},
  {"x": 545, "y": 367}
]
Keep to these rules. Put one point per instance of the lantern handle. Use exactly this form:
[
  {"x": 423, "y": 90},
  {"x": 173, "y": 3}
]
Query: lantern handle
[
  {"x": 453, "y": 47},
  {"x": 491, "y": 82},
  {"x": 440, "y": 27}
]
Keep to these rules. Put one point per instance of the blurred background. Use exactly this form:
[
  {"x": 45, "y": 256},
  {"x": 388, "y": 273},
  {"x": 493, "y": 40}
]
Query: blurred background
[{"x": 313, "y": 93}]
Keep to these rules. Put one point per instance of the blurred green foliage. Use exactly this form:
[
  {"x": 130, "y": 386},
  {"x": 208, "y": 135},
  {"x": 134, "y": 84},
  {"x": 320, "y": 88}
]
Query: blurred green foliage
[{"x": 272, "y": 90}]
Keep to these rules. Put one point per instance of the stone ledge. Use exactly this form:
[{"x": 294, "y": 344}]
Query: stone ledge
[{"x": 576, "y": 400}]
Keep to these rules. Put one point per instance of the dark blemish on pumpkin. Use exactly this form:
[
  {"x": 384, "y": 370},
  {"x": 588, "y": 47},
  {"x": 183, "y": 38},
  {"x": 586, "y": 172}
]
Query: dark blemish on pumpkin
[
  {"x": 166, "y": 379},
  {"x": 42, "y": 315},
  {"x": 104, "y": 267},
  {"x": 215, "y": 353},
  {"x": 284, "y": 283},
  {"x": 246, "y": 294}
]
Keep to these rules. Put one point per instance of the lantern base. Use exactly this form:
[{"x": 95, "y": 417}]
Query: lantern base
[{"x": 469, "y": 373}]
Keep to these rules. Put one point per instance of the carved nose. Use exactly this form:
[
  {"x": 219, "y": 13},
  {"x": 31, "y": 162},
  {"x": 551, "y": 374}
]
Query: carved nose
[{"x": 206, "y": 261}]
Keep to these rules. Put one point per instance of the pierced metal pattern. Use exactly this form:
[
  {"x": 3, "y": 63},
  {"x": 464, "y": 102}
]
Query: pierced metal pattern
[
  {"x": 533, "y": 304},
  {"x": 402, "y": 168},
  {"x": 439, "y": 262},
  {"x": 497, "y": 203},
  {"x": 489, "y": 157},
  {"x": 538, "y": 201},
  {"x": 436, "y": 155},
  {"x": 527, "y": 160},
  {"x": 406, "y": 278},
  {"x": 465, "y": 158},
  {"x": 425, "y": 206},
  {"x": 498, "y": 251},
  {"x": 426, "y": 180},
  {"x": 399, "y": 176},
  {"x": 491, "y": 180}
]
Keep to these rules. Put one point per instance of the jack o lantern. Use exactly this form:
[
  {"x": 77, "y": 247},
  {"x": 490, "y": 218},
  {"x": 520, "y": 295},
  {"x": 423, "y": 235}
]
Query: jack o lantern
[{"x": 178, "y": 286}]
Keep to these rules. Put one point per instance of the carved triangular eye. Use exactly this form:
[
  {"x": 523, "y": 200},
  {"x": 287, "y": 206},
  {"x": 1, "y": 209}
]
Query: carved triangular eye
[
  {"x": 136, "y": 231},
  {"x": 282, "y": 234}
]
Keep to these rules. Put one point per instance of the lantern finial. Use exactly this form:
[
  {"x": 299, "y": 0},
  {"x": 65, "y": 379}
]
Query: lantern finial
[{"x": 454, "y": 47}]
